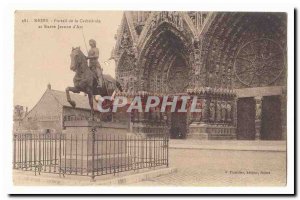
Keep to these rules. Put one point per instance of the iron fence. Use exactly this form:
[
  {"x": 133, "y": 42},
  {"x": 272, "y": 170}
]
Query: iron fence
[{"x": 88, "y": 154}]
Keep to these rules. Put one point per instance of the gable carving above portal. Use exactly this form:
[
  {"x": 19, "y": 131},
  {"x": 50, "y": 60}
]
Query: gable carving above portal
[
  {"x": 125, "y": 39},
  {"x": 173, "y": 18}
]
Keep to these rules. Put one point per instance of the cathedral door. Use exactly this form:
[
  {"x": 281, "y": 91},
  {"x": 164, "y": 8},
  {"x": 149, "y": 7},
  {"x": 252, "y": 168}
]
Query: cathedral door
[
  {"x": 246, "y": 118},
  {"x": 271, "y": 128},
  {"x": 178, "y": 127},
  {"x": 178, "y": 123}
]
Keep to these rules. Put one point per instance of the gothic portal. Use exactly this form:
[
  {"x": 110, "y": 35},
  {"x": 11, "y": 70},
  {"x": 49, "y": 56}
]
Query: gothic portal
[{"x": 235, "y": 63}]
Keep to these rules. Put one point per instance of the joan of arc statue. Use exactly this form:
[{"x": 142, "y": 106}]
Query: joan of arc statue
[{"x": 94, "y": 64}]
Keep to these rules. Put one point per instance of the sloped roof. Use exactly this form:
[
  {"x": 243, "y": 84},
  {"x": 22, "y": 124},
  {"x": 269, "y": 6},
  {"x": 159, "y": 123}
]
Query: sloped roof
[{"x": 81, "y": 100}]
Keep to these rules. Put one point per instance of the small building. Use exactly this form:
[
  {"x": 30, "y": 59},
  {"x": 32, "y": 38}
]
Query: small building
[{"x": 53, "y": 108}]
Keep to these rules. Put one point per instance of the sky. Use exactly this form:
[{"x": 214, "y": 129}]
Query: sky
[{"x": 42, "y": 55}]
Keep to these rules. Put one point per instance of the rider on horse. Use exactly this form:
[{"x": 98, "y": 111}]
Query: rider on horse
[
  {"x": 87, "y": 77},
  {"x": 94, "y": 64}
]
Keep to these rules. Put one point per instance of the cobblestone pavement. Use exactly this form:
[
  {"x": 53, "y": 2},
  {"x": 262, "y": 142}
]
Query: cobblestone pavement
[
  {"x": 244, "y": 145},
  {"x": 223, "y": 168}
]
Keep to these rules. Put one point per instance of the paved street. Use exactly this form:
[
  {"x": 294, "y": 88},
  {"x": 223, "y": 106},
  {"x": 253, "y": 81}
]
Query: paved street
[
  {"x": 197, "y": 167},
  {"x": 203, "y": 163},
  {"x": 241, "y": 145}
]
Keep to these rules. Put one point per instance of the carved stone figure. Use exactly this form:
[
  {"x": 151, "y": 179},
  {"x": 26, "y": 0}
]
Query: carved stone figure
[
  {"x": 153, "y": 24},
  {"x": 223, "y": 111},
  {"x": 212, "y": 111},
  {"x": 211, "y": 80},
  {"x": 134, "y": 51},
  {"x": 198, "y": 116},
  {"x": 219, "y": 117},
  {"x": 258, "y": 108},
  {"x": 204, "y": 110},
  {"x": 229, "y": 112},
  {"x": 125, "y": 40}
]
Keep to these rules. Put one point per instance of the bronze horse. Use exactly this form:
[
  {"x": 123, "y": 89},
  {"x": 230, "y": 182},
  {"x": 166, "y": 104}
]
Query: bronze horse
[{"x": 85, "y": 80}]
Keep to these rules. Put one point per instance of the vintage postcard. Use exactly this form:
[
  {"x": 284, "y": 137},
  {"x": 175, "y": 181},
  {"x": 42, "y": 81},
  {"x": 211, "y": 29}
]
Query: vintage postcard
[{"x": 150, "y": 98}]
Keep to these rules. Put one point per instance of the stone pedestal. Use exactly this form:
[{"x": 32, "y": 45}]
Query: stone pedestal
[
  {"x": 216, "y": 119},
  {"x": 198, "y": 131},
  {"x": 87, "y": 146},
  {"x": 211, "y": 132},
  {"x": 82, "y": 131}
]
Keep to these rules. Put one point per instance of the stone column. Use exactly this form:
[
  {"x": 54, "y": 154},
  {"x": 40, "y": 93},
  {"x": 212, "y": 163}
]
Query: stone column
[
  {"x": 234, "y": 112},
  {"x": 197, "y": 117},
  {"x": 258, "y": 106},
  {"x": 283, "y": 100},
  {"x": 205, "y": 110}
]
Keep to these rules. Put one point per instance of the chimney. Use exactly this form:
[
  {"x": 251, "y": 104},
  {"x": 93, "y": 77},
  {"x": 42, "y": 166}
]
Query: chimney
[{"x": 49, "y": 86}]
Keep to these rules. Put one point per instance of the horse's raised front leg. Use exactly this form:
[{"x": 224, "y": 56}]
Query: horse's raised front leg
[{"x": 74, "y": 90}]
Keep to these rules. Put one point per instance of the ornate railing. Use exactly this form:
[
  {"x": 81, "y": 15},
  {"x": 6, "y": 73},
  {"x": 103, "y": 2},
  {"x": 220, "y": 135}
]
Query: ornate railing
[{"x": 88, "y": 155}]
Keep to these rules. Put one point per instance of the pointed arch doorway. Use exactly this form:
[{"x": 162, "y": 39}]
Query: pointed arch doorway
[{"x": 165, "y": 68}]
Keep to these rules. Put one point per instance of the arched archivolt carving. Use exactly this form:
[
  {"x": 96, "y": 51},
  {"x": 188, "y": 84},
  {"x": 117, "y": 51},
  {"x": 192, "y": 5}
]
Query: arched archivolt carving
[
  {"x": 165, "y": 45},
  {"x": 221, "y": 43}
]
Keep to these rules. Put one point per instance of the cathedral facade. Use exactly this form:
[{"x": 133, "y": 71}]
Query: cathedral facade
[{"x": 234, "y": 62}]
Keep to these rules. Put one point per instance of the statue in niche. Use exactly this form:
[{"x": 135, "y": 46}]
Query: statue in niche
[
  {"x": 223, "y": 81},
  {"x": 212, "y": 111},
  {"x": 258, "y": 111},
  {"x": 197, "y": 116},
  {"x": 218, "y": 106},
  {"x": 162, "y": 15},
  {"x": 126, "y": 40},
  {"x": 203, "y": 107},
  {"x": 223, "y": 111},
  {"x": 157, "y": 18},
  {"x": 217, "y": 69},
  {"x": 196, "y": 43},
  {"x": 179, "y": 22},
  {"x": 196, "y": 56},
  {"x": 211, "y": 79},
  {"x": 153, "y": 24},
  {"x": 169, "y": 16},
  {"x": 134, "y": 51},
  {"x": 193, "y": 16},
  {"x": 229, "y": 112}
]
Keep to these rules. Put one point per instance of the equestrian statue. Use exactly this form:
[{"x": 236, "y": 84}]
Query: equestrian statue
[{"x": 89, "y": 77}]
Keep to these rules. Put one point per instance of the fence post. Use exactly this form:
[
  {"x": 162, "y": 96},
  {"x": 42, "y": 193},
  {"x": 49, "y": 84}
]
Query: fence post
[
  {"x": 15, "y": 148},
  {"x": 167, "y": 138},
  {"x": 93, "y": 153}
]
